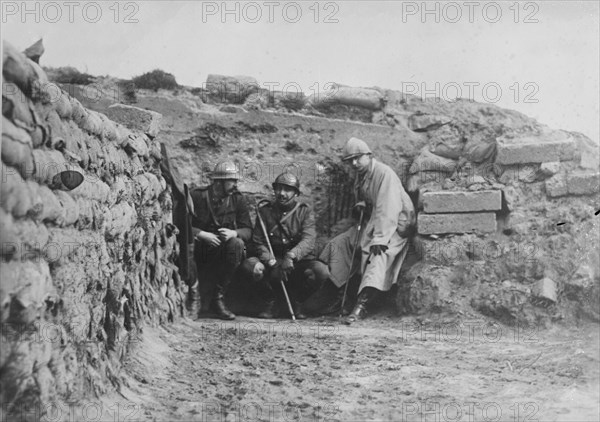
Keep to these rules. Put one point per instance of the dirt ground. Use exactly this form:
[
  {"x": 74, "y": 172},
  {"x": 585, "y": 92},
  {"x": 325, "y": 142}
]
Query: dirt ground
[{"x": 384, "y": 368}]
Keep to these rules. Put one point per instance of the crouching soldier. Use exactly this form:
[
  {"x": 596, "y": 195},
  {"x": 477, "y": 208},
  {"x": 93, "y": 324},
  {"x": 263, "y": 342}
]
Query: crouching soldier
[
  {"x": 221, "y": 226},
  {"x": 290, "y": 228}
]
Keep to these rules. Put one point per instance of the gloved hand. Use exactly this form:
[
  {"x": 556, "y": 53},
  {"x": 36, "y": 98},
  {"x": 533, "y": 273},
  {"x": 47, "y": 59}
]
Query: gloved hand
[
  {"x": 378, "y": 249},
  {"x": 287, "y": 265}
]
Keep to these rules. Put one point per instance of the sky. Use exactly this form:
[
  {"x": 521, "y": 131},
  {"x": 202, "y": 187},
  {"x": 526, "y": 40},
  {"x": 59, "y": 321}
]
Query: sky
[{"x": 541, "y": 58}]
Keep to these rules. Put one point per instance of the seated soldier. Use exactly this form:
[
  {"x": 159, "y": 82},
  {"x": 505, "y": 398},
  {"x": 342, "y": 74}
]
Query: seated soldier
[
  {"x": 287, "y": 253},
  {"x": 379, "y": 250},
  {"x": 221, "y": 226}
]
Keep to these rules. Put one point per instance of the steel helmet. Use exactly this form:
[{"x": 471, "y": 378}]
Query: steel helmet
[
  {"x": 287, "y": 179},
  {"x": 225, "y": 170},
  {"x": 355, "y": 147}
]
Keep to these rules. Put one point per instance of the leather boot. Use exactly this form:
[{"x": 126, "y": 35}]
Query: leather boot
[
  {"x": 220, "y": 309},
  {"x": 360, "y": 309},
  {"x": 298, "y": 313},
  {"x": 336, "y": 303},
  {"x": 269, "y": 312},
  {"x": 192, "y": 301},
  {"x": 218, "y": 304}
]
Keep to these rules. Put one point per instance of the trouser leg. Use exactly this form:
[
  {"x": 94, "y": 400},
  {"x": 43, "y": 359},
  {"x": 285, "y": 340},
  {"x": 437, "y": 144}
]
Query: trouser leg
[
  {"x": 232, "y": 253},
  {"x": 222, "y": 262}
]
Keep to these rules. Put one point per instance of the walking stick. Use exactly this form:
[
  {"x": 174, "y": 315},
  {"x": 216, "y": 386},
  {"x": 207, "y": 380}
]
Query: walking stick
[
  {"x": 357, "y": 239},
  {"x": 285, "y": 293}
]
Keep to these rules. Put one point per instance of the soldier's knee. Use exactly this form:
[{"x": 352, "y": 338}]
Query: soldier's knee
[
  {"x": 235, "y": 243},
  {"x": 252, "y": 269},
  {"x": 320, "y": 270}
]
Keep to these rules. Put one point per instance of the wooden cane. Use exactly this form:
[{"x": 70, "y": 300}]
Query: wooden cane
[{"x": 357, "y": 239}]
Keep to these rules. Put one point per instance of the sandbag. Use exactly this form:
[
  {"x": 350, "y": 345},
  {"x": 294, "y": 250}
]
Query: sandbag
[
  {"x": 360, "y": 97},
  {"x": 52, "y": 211},
  {"x": 480, "y": 151},
  {"x": 17, "y": 148},
  {"x": 48, "y": 163},
  {"x": 16, "y": 68},
  {"x": 446, "y": 142},
  {"x": 70, "y": 207},
  {"x": 63, "y": 105},
  {"x": 428, "y": 161}
]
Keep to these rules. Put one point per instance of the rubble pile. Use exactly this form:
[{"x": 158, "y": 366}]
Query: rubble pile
[{"x": 86, "y": 244}]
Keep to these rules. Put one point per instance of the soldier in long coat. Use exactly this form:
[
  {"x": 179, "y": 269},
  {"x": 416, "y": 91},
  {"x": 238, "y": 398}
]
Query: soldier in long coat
[{"x": 389, "y": 216}]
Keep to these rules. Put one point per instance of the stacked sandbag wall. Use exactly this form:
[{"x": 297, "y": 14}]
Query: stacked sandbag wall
[{"x": 86, "y": 244}]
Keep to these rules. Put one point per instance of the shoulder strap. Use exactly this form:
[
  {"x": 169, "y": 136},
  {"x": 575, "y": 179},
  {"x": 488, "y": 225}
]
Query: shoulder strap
[
  {"x": 283, "y": 228},
  {"x": 206, "y": 197}
]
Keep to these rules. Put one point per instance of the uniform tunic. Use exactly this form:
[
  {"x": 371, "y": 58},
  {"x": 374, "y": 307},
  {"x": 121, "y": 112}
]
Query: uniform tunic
[
  {"x": 289, "y": 230},
  {"x": 212, "y": 213}
]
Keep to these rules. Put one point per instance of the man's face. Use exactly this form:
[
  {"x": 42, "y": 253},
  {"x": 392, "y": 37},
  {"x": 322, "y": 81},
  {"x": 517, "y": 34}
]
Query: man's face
[
  {"x": 229, "y": 186},
  {"x": 283, "y": 194},
  {"x": 360, "y": 163}
]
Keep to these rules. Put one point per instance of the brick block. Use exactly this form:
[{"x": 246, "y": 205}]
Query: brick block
[
  {"x": 453, "y": 201},
  {"x": 556, "y": 186},
  {"x": 557, "y": 147},
  {"x": 135, "y": 118},
  {"x": 583, "y": 183},
  {"x": 484, "y": 222}
]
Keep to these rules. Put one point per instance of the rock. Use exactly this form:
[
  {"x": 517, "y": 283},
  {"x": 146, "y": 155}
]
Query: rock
[
  {"x": 484, "y": 222},
  {"x": 476, "y": 180},
  {"x": 135, "y": 118},
  {"x": 256, "y": 101},
  {"x": 233, "y": 89},
  {"x": 510, "y": 197},
  {"x": 233, "y": 109},
  {"x": 426, "y": 289},
  {"x": 136, "y": 144},
  {"x": 35, "y": 51},
  {"x": 425, "y": 122},
  {"x": 457, "y": 201},
  {"x": 581, "y": 280},
  {"x": 549, "y": 169},
  {"x": 545, "y": 289}
]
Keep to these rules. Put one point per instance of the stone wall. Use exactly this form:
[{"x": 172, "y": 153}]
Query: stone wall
[{"x": 86, "y": 243}]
